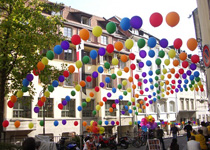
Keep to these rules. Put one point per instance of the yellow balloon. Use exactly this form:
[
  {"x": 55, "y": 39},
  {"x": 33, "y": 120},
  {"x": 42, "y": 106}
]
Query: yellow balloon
[
  {"x": 124, "y": 82},
  {"x": 162, "y": 90},
  {"x": 172, "y": 53},
  {"x": 164, "y": 69},
  {"x": 130, "y": 122},
  {"x": 167, "y": 62},
  {"x": 47, "y": 94},
  {"x": 137, "y": 105},
  {"x": 98, "y": 107},
  {"x": 19, "y": 94},
  {"x": 115, "y": 61},
  {"x": 150, "y": 117},
  {"x": 97, "y": 31},
  {"x": 78, "y": 64},
  {"x": 195, "y": 85},
  {"x": 128, "y": 90},
  {"x": 132, "y": 99},
  {"x": 101, "y": 129},
  {"x": 45, "y": 60},
  {"x": 162, "y": 77},
  {"x": 119, "y": 72},
  {"x": 140, "y": 110},
  {"x": 162, "y": 95},
  {"x": 91, "y": 122},
  {"x": 88, "y": 99},
  {"x": 30, "y": 125},
  {"x": 77, "y": 87},
  {"x": 199, "y": 83},
  {"x": 129, "y": 43},
  {"x": 192, "y": 88},
  {"x": 161, "y": 83}
]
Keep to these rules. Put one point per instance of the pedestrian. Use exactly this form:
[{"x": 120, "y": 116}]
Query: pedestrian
[
  {"x": 208, "y": 127},
  {"x": 192, "y": 144},
  {"x": 160, "y": 135},
  {"x": 188, "y": 129},
  {"x": 89, "y": 144},
  {"x": 29, "y": 144},
  {"x": 174, "y": 145},
  {"x": 174, "y": 130},
  {"x": 200, "y": 138},
  {"x": 205, "y": 130}
]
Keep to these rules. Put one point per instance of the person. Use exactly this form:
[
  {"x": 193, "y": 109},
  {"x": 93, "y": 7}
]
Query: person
[
  {"x": 160, "y": 135},
  {"x": 29, "y": 144},
  {"x": 205, "y": 130},
  {"x": 188, "y": 129},
  {"x": 200, "y": 138},
  {"x": 208, "y": 127},
  {"x": 192, "y": 144},
  {"x": 89, "y": 144},
  {"x": 174, "y": 131},
  {"x": 174, "y": 145}
]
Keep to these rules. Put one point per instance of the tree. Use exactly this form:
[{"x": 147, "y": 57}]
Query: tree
[{"x": 24, "y": 31}]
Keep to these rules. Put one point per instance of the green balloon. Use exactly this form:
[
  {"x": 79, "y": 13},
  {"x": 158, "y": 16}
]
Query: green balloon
[
  {"x": 156, "y": 78},
  {"x": 161, "y": 54},
  {"x": 119, "y": 86},
  {"x": 158, "y": 97},
  {"x": 190, "y": 85},
  {"x": 197, "y": 79},
  {"x": 111, "y": 27},
  {"x": 41, "y": 123},
  {"x": 50, "y": 55},
  {"x": 156, "y": 85},
  {"x": 192, "y": 82},
  {"x": 129, "y": 103},
  {"x": 113, "y": 76},
  {"x": 24, "y": 89},
  {"x": 186, "y": 89},
  {"x": 158, "y": 91},
  {"x": 158, "y": 61},
  {"x": 125, "y": 93},
  {"x": 94, "y": 112},
  {"x": 134, "y": 108},
  {"x": 85, "y": 59},
  {"x": 136, "y": 114},
  {"x": 141, "y": 43},
  {"x": 157, "y": 71},
  {"x": 100, "y": 122},
  {"x": 107, "y": 65},
  {"x": 73, "y": 93},
  {"x": 50, "y": 88},
  {"x": 84, "y": 104}
]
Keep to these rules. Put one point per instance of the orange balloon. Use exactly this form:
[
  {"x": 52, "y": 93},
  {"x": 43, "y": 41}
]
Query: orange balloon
[
  {"x": 133, "y": 86},
  {"x": 172, "y": 19},
  {"x": 123, "y": 58},
  {"x": 82, "y": 83},
  {"x": 84, "y": 123},
  {"x": 143, "y": 107},
  {"x": 168, "y": 88},
  {"x": 175, "y": 62},
  {"x": 201, "y": 86},
  {"x": 40, "y": 66},
  {"x": 172, "y": 70},
  {"x": 192, "y": 44},
  {"x": 13, "y": 98},
  {"x": 91, "y": 94},
  {"x": 101, "y": 103},
  {"x": 141, "y": 102},
  {"x": 197, "y": 89},
  {"x": 137, "y": 95},
  {"x": 167, "y": 93},
  {"x": 111, "y": 109},
  {"x": 118, "y": 45},
  {"x": 84, "y": 34},
  {"x": 88, "y": 128},
  {"x": 183, "y": 56},
  {"x": 166, "y": 82},
  {"x": 71, "y": 69},
  {"x": 169, "y": 76},
  {"x": 126, "y": 69},
  {"x": 130, "y": 79},
  {"x": 43, "y": 99},
  {"x": 17, "y": 123}
]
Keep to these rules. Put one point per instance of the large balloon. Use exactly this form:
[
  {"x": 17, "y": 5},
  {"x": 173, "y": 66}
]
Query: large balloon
[
  {"x": 163, "y": 43},
  {"x": 125, "y": 24},
  {"x": 84, "y": 34},
  {"x": 151, "y": 42},
  {"x": 177, "y": 43},
  {"x": 93, "y": 54},
  {"x": 136, "y": 22},
  {"x": 97, "y": 31},
  {"x": 118, "y": 45},
  {"x": 195, "y": 58},
  {"x": 75, "y": 39},
  {"x": 110, "y": 48},
  {"x": 111, "y": 27},
  {"x": 141, "y": 43},
  {"x": 58, "y": 49},
  {"x": 129, "y": 43},
  {"x": 183, "y": 56},
  {"x": 156, "y": 19},
  {"x": 192, "y": 44},
  {"x": 172, "y": 53},
  {"x": 101, "y": 51},
  {"x": 151, "y": 53},
  {"x": 172, "y": 19}
]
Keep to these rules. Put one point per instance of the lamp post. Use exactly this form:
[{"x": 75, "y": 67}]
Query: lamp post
[{"x": 40, "y": 94}]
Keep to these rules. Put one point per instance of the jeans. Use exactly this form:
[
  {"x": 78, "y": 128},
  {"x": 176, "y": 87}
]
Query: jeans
[
  {"x": 174, "y": 135},
  {"x": 161, "y": 141}
]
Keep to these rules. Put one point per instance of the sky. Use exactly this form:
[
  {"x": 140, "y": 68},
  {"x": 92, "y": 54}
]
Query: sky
[{"x": 144, "y": 9}]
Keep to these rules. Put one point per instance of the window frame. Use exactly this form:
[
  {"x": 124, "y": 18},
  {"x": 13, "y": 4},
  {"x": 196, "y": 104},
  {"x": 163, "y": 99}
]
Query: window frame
[
  {"x": 87, "y": 19},
  {"x": 40, "y": 114},
  {"x": 102, "y": 39},
  {"x": 69, "y": 29},
  {"x": 107, "y": 113},
  {"x": 87, "y": 111},
  {"x": 69, "y": 83},
  {"x": 137, "y": 64},
  {"x": 68, "y": 112},
  {"x": 89, "y": 85},
  {"x": 67, "y": 52}
]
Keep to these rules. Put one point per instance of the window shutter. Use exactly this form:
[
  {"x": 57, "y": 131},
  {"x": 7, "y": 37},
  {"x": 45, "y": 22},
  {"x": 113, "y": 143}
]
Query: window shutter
[
  {"x": 61, "y": 56},
  {"x": 74, "y": 54},
  {"x": 75, "y": 78},
  {"x": 103, "y": 80}
]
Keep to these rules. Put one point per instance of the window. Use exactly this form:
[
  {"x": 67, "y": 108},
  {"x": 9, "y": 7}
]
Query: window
[
  {"x": 22, "y": 108},
  {"x": 88, "y": 84},
  {"x": 69, "y": 109},
  {"x": 104, "y": 40},
  {"x": 49, "y": 104},
  {"x": 67, "y": 32},
  {"x": 122, "y": 64},
  {"x": 111, "y": 84},
  {"x": 108, "y": 104},
  {"x": 85, "y": 20},
  {"x": 209, "y": 7},
  {"x": 87, "y": 54},
  {"x": 137, "y": 64},
  {"x": 172, "y": 106},
  {"x": 124, "y": 87},
  {"x": 107, "y": 58},
  {"x": 68, "y": 55},
  {"x": 143, "y": 110},
  {"x": 182, "y": 104},
  {"x": 59, "y": 13},
  {"x": 134, "y": 31},
  {"x": 187, "y": 104},
  {"x": 122, "y": 107},
  {"x": 153, "y": 107},
  {"x": 69, "y": 81},
  {"x": 87, "y": 111},
  {"x": 163, "y": 107},
  {"x": 140, "y": 87},
  {"x": 192, "y": 104}
]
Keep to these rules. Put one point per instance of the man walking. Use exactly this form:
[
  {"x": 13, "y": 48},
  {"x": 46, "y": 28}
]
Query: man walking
[
  {"x": 188, "y": 129},
  {"x": 160, "y": 135},
  {"x": 174, "y": 131}
]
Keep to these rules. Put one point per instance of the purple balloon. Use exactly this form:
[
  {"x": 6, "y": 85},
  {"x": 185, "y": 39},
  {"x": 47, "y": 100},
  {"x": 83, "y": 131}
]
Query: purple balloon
[
  {"x": 64, "y": 122},
  {"x": 141, "y": 64},
  {"x": 123, "y": 112},
  {"x": 101, "y": 84},
  {"x": 145, "y": 81},
  {"x": 193, "y": 66},
  {"x": 151, "y": 101},
  {"x": 29, "y": 77},
  {"x": 146, "y": 89},
  {"x": 189, "y": 72},
  {"x": 109, "y": 94},
  {"x": 102, "y": 51},
  {"x": 163, "y": 43},
  {"x": 176, "y": 90},
  {"x": 95, "y": 74},
  {"x": 142, "y": 53},
  {"x": 36, "y": 109},
  {"x": 184, "y": 76},
  {"x": 112, "y": 122},
  {"x": 144, "y": 74},
  {"x": 180, "y": 81},
  {"x": 179, "y": 86},
  {"x": 64, "y": 102},
  {"x": 136, "y": 22},
  {"x": 65, "y": 45},
  {"x": 149, "y": 96},
  {"x": 116, "y": 101},
  {"x": 148, "y": 126},
  {"x": 61, "y": 78}
]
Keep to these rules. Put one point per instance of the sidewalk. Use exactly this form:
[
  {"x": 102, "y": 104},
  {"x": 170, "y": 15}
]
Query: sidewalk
[{"x": 181, "y": 133}]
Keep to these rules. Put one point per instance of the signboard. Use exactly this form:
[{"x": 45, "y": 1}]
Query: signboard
[
  {"x": 206, "y": 55},
  {"x": 153, "y": 144}
]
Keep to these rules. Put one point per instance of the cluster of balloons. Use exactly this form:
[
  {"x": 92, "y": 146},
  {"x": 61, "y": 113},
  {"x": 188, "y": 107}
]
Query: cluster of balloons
[
  {"x": 94, "y": 127},
  {"x": 148, "y": 123}
]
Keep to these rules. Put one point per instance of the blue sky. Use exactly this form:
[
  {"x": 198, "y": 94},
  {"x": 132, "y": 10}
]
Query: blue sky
[{"x": 144, "y": 8}]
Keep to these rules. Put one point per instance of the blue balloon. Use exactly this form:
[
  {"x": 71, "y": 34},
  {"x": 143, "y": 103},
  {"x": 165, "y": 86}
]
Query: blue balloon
[
  {"x": 151, "y": 87},
  {"x": 100, "y": 69},
  {"x": 120, "y": 97},
  {"x": 153, "y": 93},
  {"x": 25, "y": 82},
  {"x": 144, "y": 128},
  {"x": 149, "y": 96},
  {"x": 126, "y": 107},
  {"x": 148, "y": 63},
  {"x": 106, "y": 122},
  {"x": 186, "y": 81},
  {"x": 58, "y": 49},
  {"x": 67, "y": 98},
  {"x": 192, "y": 77},
  {"x": 150, "y": 72},
  {"x": 154, "y": 99},
  {"x": 151, "y": 42},
  {"x": 55, "y": 83},
  {"x": 139, "y": 122},
  {"x": 114, "y": 90},
  {"x": 125, "y": 24},
  {"x": 196, "y": 74},
  {"x": 151, "y": 53},
  {"x": 79, "y": 108},
  {"x": 181, "y": 89},
  {"x": 150, "y": 80},
  {"x": 185, "y": 86},
  {"x": 56, "y": 123},
  {"x": 61, "y": 78},
  {"x": 93, "y": 54},
  {"x": 130, "y": 111},
  {"x": 107, "y": 80}
]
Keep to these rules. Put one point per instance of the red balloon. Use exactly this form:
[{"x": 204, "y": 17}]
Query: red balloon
[
  {"x": 133, "y": 66},
  {"x": 141, "y": 92},
  {"x": 173, "y": 81},
  {"x": 88, "y": 78},
  {"x": 145, "y": 98},
  {"x": 10, "y": 104},
  {"x": 147, "y": 104},
  {"x": 139, "y": 83},
  {"x": 60, "y": 106},
  {"x": 132, "y": 56},
  {"x": 172, "y": 92},
  {"x": 95, "y": 129},
  {"x": 181, "y": 71},
  {"x": 136, "y": 76},
  {"x": 195, "y": 58},
  {"x": 36, "y": 72},
  {"x": 165, "y": 122},
  {"x": 201, "y": 89},
  {"x": 66, "y": 73},
  {"x": 95, "y": 123},
  {"x": 40, "y": 103},
  {"x": 177, "y": 75},
  {"x": 5, "y": 123},
  {"x": 97, "y": 88},
  {"x": 117, "y": 123},
  {"x": 104, "y": 99},
  {"x": 173, "y": 87},
  {"x": 156, "y": 19},
  {"x": 133, "y": 103},
  {"x": 185, "y": 64},
  {"x": 75, "y": 39},
  {"x": 113, "y": 105},
  {"x": 75, "y": 123},
  {"x": 110, "y": 48},
  {"x": 177, "y": 43}
]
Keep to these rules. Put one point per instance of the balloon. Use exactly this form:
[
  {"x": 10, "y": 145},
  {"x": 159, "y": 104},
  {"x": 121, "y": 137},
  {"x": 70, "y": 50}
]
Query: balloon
[
  {"x": 156, "y": 19},
  {"x": 192, "y": 77},
  {"x": 61, "y": 78},
  {"x": 172, "y": 19},
  {"x": 101, "y": 51},
  {"x": 36, "y": 109},
  {"x": 50, "y": 55},
  {"x": 141, "y": 43},
  {"x": 64, "y": 122},
  {"x": 141, "y": 64},
  {"x": 100, "y": 69},
  {"x": 136, "y": 22},
  {"x": 65, "y": 73},
  {"x": 151, "y": 42},
  {"x": 184, "y": 76},
  {"x": 84, "y": 34},
  {"x": 106, "y": 122},
  {"x": 130, "y": 123},
  {"x": 148, "y": 63},
  {"x": 195, "y": 58},
  {"x": 172, "y": 53},
  {"x": 189, "y": 72},
  {"x": 134, "y": 86},
  {"x": 126, "y": 69},
  {"x": 175, "y": 62},
  {"x": 75, "y": 123},
  {"x": 142, "y": 53},
  {"x": 75, "y": 39},
  {"x": 157, "y": 71},
  {"x": 60, "y": 106},
  {"x": 129, "y": 43},
  {"x": 109, "y": 94},
  {"x": 40, "y": 103},
  {"x": 73, "y": 93},
  {"x": 185, "y": 64},
  {"x": 97, "y": 89},
  {"x": 77, "y": 87},
  {"x": 150, "y": 73},
  {"x": 158, "y": 61},
  {"x": 110, "y": 48},
  {"x": 111, "y": 27},
  {"x": 169, "y": 76},
  {"x": 82, "y": 83},
  {"x": 161, "y": 54},
  {"x": 50, "y": 88},
  {"x": 117, "y": 123},
  {"x": 125, "y": 24},
  {"x": 132, "y": 56},
  {"x": 78, "y": 64},
  {"x": 101, "y": 84},
  {"x": 177, "y": 75},
  {"x": 192, "y": 44},
  {"x": 95, "y": 74},
  {"x": 120, "y": 97},
  {"x": 71, "y": 69},
  {"x": 119, "y": 72},
  {"x": 10, "y": 104},
  {"x": 151, "y": 53},
  {"x": 167, "y": 62},
  {"x": 25, "y": 82},
  {"x": 136, "y": 76},
  {"x": 85, "y": 59},
  {"x": 97, "y": 31},
  {"x": 144, "y": 74},
  {"x": 183, "y": 56},
  {"x": 193, "y": 66},
  {"x": 163, "y": 43},
  {"x": 164, "y": 70},
  {"x": 84, "y": 104},
  {"x": 118, "y": 45},
  {"x": 40, "y": 66},
  {"x": 177, "y": 43},
  {"x": 30, "y": 125},
  {"x": 64, "y": 102},
  {"x": 88, "y": 99},
  {"x": 130, "y": 79},
  {"x": 56, "y": 123},
  {"x": 13, "y": 98},
  {"x": 41, "y": 123},
  {"x": 110, "y": 110},
  {"x": 19, "y": 94},
  {"x": 58, "y": 49},
  {"x": 150, "y": 80},
  {"x": 196, "y": 74},
  {"x": 98, "y": 107},
  {"x": 107, "y": 65},
  {"x": 123, "y": 58},
  {"x": 17, "y": 124},
  {"x": 107, "y": 80},
  {"x": 113, "y": 76},
  {"x": 93, "y": 54}
]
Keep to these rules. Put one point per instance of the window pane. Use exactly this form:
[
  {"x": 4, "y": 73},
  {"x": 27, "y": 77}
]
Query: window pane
[
  {"x": 69, "y": 80},
  {"x": 104, "y": 40},
  {"x": 22, "y": 108},
  {"x": 68, "y": 55},
  {"x": 108, "y": 104},
  {"x": 69, "y": 109},
  {"x": 88, "y": 84},
  {"x": 87, "y": 111},
  {"x": 122, "y": 65},
  {"x": 122, "y": 107},
  {"x": 67, "y": 32},
  {"x": 49, "y": 112}
]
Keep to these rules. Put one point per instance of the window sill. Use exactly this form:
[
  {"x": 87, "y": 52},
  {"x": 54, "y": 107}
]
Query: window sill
[
  {"x": 68, "y": 86},
  {"x": 21, "y": 119},
  {"x": 110, "y": 117},
  {"x": 138, "y": 70}
]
